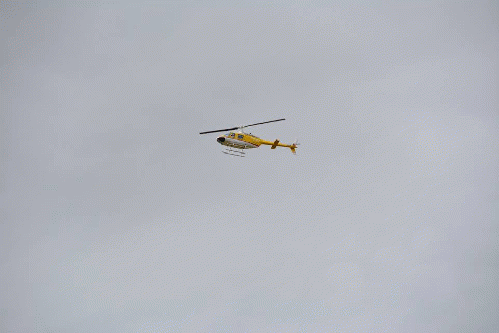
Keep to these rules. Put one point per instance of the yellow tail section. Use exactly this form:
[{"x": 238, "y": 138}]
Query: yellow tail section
[
  {"x": 293, "y": 146},
  {"x": 276, "y": 143}
]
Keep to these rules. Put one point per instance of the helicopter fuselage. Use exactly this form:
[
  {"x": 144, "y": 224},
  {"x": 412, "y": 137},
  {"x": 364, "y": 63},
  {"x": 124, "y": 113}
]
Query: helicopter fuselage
[
  {"x": 243, "y": 140},
  {"x": 240, "y": 140}
]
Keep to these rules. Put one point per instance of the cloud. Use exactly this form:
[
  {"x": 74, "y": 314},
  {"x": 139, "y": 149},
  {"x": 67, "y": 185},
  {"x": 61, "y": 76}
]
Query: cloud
[{"x": 118, "y": 215}]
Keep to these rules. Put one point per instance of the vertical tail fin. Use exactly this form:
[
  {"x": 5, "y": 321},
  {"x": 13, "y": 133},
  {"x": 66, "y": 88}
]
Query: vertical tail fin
[{"x": 293, "y": 146}]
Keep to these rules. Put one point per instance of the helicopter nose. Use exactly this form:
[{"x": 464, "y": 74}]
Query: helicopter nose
[{"x": 220, "y": 139}]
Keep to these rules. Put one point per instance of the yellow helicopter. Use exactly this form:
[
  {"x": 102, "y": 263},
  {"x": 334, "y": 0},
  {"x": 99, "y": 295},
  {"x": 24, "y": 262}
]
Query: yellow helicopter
[{"x": 239, "y": 140}]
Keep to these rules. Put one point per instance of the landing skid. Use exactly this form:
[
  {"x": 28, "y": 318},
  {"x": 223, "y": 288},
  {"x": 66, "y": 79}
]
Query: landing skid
[
  {"x": 238, "y": 153},
  {"x": 233, "y": 154}
]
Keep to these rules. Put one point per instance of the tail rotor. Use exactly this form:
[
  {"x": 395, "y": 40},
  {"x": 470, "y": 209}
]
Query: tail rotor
[{"x": 293, "y": 146}]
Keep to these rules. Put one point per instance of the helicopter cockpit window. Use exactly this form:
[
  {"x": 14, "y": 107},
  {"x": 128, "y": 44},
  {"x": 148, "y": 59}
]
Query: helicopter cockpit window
[
  {"x": 240, "y": 136},
  {"x": 231, "y": 134}
]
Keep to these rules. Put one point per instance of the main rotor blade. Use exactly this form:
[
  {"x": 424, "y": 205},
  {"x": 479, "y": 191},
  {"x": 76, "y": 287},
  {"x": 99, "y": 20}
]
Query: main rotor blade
[
  {"x": 234, "y": 128},
  {"x": 222, "y": 130},
  {"x": 265, "y": 122}
]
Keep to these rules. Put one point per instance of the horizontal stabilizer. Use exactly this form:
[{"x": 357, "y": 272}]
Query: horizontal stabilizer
[{"x": 275, "y": 144}]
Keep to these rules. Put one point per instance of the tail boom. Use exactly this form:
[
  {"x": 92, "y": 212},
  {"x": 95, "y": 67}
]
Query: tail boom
[{"x": 276, "y": 143}]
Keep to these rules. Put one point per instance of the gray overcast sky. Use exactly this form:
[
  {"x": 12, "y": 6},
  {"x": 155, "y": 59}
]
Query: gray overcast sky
[{"x": 117, "y": 216}]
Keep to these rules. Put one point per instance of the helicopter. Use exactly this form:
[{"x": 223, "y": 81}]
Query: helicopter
[{"x": 237, "y": 141}]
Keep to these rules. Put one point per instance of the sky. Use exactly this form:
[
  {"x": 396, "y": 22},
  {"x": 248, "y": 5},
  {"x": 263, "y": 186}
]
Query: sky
[{"x": 117, "y": 216}]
